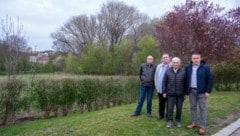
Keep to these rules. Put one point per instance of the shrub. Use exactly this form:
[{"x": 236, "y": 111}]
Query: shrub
[
  {"x": 46, "y": 95},
  {"x": 227, "y": 76},
  {"x": 10, "y": 98},
  {"x": 67, "y": 95},
  {"x": 54, "y": 95}
]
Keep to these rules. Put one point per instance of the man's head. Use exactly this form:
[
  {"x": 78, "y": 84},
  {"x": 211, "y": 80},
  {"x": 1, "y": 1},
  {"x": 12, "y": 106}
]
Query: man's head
[
  {"x": 149, "y": 59},
  {"x": 176, "y": 62},
  {"x": 196, "y": 58},
  {"x": 165, "y": 58}
]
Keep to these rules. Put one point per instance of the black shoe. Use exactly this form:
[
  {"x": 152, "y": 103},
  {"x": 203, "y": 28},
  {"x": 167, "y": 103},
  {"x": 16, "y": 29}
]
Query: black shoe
[{"x": 135, "y": 115}]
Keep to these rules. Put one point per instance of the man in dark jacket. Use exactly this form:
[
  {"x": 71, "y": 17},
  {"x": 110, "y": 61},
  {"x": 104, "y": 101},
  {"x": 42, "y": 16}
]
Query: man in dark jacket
[
  {"x": 199, "y": 83},
  {"x": 147, "y": 71},
  {"x": 174, "y": 88}
]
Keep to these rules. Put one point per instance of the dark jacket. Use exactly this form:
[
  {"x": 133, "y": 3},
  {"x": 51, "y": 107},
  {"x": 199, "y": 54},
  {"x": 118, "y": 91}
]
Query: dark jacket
[
  {"x": 174, "y": 84},
  {"x": 204, "y": 78},
  {"x": 147, "y": 72}
]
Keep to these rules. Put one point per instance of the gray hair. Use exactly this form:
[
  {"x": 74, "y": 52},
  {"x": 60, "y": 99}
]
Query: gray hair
[{"x": 176, "y": 59}]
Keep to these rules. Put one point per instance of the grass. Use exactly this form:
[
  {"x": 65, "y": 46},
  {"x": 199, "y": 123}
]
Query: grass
[
  {"x": 29, "y": 77},
  {"x": 117, "y": 121}
]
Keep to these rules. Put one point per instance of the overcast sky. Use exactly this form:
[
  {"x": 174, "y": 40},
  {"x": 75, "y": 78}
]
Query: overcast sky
[{"x": 42, "y": 17}]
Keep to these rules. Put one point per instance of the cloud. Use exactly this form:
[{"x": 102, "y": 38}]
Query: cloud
[{"x": 42, "y": 17}]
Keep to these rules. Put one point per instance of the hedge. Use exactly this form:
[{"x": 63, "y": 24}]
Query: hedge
[
  {"x": 10, "y": 99},
  {"x": 227, "y": 76},
  {"x": 54, "y": 97}
]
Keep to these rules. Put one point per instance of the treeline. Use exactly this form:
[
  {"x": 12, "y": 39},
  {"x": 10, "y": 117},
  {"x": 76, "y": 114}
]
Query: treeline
[
  {"x": 124, "y": 60},
  {"x": 53, "y": 97}
]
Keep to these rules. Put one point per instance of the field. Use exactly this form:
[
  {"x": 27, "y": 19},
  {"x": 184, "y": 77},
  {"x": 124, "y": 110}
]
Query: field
[
  {"x": 223, "y": 108},
  {"x": 29, "y": 77}
]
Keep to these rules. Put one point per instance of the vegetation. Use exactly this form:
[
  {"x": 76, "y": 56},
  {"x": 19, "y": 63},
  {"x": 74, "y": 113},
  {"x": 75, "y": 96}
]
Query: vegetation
[
  {"x": 53, "y": 97},
  {"x": 227, "y": 76},
  {"x": 117, "y": 121}
]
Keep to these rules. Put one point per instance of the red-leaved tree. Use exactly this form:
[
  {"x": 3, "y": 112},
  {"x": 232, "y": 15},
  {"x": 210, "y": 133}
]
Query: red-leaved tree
[{"x": 200, "y": 26}]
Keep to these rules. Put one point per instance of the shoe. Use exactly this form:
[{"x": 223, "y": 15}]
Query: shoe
[
  {"x": 191, "y": 126},
  {"x": 178, "y": 124},
  {"x": 169, "y": 124},
  {"x": 135, "y": 115},
  {"x": 149, "y": 115},
  {"x": 202, "y": 131}
]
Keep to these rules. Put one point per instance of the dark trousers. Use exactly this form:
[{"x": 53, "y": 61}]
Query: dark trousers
[
  {"x": 162, "y": 105},
  {"x": 171, "y": 102}
]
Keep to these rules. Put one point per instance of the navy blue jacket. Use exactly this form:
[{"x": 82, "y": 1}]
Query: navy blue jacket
[{"x": 204, "y": 78}]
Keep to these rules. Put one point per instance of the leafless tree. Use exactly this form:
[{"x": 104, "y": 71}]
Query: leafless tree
[
  {"x": 118, "y": 19},
  {"x": 115, "y": 21},
  {"x": 75, "y": 34},
  {"x": 13, "y": 42},
  {"x": 143, "y": 28}
]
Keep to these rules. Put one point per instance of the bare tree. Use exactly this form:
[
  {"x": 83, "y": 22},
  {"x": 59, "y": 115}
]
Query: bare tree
[
  {"x": 75, "y": 34},
  {"x": 143, "y": 28},
  {"x": 13, "y": 43},
  {"x": 117, "y": 19}
]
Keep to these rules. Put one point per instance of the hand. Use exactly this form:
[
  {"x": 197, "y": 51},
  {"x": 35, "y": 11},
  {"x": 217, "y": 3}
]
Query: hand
[
  {"x": 207, "y": 95},
  {"x": 164, "y": 95}
]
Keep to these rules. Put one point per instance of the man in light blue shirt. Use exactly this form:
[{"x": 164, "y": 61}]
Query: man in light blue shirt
[
  {"x": 194, "y": 76},
  {"x": 158, "y": 79}
]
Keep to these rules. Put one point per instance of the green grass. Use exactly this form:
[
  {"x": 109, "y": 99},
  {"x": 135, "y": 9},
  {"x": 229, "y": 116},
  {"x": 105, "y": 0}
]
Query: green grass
[
  {"x": 29, "y": 77},
  {"x": 117, "y": 121}
]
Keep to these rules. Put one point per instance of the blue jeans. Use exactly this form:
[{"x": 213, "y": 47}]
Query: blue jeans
[{"x": 145, "y": 90}]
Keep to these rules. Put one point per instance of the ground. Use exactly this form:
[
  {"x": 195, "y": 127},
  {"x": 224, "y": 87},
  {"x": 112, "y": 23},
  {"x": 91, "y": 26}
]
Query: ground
[{"x": 223, "y": 108}]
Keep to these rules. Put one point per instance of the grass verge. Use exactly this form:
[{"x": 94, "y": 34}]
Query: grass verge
[{"x": 117, "y": 121}]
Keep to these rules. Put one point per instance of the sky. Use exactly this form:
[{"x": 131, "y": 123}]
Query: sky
[{"x": 42, "y": 17}]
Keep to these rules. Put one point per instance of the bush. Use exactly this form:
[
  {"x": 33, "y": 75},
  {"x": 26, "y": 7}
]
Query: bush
[
  {"x": 10, "y": 99},
  {"x": 227, "y": 76},
  {"x": 46, "y": 94},
  {"x": 90, "y": 94},
  {"x": 67, "y": 95},
  {"x": 54, "y": 96}
]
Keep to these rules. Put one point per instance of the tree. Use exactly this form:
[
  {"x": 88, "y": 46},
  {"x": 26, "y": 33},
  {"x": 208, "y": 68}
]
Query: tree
[
  {"x": 122, "y": 57},
  {"x": 71, "y": 65},
  {"x": 75, "y": 34},
  {"x": 96, "y": 60},
  {"x": 117, "y": 19},
  {"x": 146, "y": 46},
  {"x": 13, "y": 43},
  {"x": 196, "y": 26}
]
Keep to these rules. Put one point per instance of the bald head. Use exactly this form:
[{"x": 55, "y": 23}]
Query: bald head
[{"x": 149, "y": 59}]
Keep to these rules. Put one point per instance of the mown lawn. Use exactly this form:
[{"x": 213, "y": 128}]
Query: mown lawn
[{"x": 117, "y": 121}]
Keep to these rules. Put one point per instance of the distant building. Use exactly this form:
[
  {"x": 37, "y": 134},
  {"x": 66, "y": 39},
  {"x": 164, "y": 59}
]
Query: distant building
[{"x": 41, "y": 57}]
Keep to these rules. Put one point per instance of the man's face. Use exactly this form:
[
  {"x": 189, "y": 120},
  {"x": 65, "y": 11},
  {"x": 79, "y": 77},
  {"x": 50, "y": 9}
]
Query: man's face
[
  {"x": 196, "y": 59},
  {"x": 165, "y": 59},
  {"x": 150, "y": 59},
  {"x": 176, "y": 64}
]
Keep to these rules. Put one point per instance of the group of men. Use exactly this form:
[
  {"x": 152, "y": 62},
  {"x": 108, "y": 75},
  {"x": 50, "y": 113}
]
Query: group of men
[{"x": 173, "y": 83}]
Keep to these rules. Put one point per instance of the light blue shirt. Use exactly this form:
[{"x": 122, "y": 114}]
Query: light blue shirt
[
  {"x": 159, "y": 75},
  {"x": 194, "y": 76}
]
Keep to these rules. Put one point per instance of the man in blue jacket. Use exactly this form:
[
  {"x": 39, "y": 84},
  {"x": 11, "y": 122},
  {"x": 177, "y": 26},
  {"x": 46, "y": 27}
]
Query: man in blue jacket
[{"x": 199, "y": 83}]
